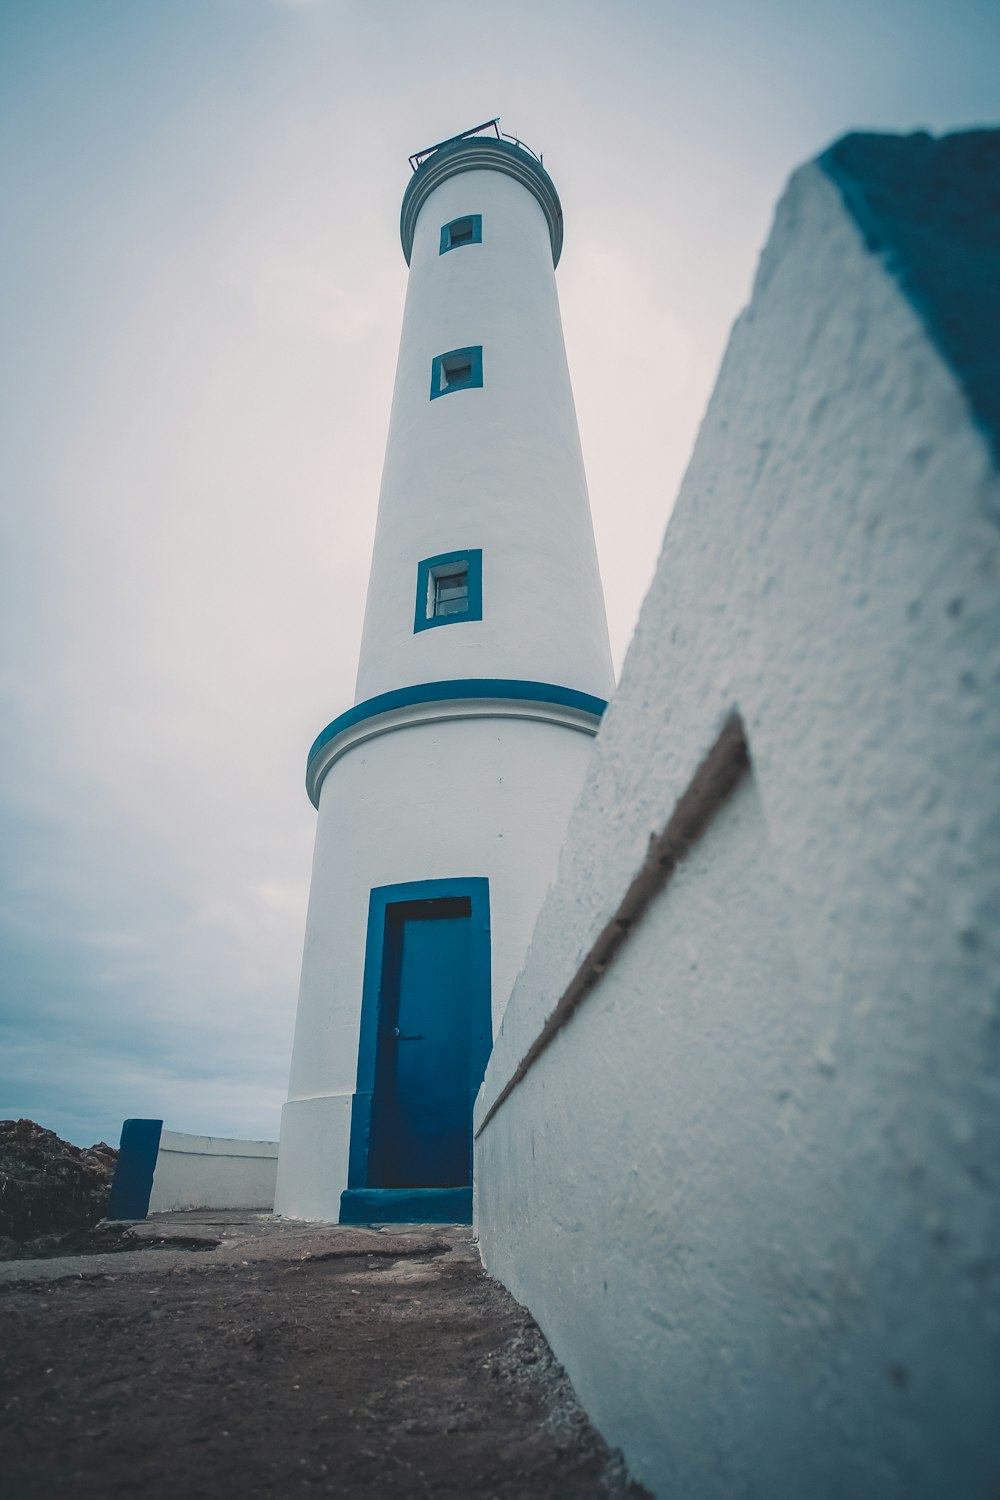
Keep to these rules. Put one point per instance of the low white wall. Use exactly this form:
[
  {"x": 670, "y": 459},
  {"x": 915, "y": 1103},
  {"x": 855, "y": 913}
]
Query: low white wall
[
  {"x": 749, "y": 1187},
  {"x": 205, "y": 1171}
]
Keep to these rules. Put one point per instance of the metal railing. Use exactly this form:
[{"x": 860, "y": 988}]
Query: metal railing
[{"x": 419, "y": 157}]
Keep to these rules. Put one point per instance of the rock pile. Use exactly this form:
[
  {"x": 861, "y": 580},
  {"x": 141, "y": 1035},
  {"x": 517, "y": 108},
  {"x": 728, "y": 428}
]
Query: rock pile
[{"x": 48, "y": 1186}]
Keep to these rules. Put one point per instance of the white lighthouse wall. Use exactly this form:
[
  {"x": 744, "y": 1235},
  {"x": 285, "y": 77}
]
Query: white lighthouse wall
[
  {"x": 750, "y": 1189},
  {"x": 497, "y": 468},
  {"x": 447, "y": 800}
]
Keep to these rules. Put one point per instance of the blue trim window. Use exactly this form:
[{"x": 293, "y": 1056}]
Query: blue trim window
[
  {"x": 458, "y": 370},
  {"x": 467, "y": 231},
  {"x": 449, "y": 589}
]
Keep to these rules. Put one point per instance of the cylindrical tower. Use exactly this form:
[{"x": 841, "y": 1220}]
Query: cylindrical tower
[{"x": 444, "y": 793}]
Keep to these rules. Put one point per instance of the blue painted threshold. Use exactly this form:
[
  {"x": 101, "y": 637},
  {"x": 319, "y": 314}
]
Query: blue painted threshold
[{"x": 406, "y": 1205}]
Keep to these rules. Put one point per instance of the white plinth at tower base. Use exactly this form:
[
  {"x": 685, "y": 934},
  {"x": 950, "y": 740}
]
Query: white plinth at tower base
[{"x": 444, "y": 793}]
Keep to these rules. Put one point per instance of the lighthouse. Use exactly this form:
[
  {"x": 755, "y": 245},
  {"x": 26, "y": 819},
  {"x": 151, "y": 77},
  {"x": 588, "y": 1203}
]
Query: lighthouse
[{"x": 444, "y": 792}]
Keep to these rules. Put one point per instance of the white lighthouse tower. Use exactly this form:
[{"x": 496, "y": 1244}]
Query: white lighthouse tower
[{"x": 444, "y": 792}]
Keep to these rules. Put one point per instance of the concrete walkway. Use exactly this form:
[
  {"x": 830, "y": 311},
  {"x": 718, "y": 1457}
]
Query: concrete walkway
[
  {"x": 228, "y": 1235},
  {"x": 243, "y": 1355}
]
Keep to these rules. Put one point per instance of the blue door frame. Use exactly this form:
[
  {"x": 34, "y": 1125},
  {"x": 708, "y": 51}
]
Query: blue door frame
[{"x": 387, "y": 907}]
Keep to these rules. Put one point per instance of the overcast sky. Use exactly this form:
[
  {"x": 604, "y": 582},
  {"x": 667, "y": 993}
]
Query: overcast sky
[{"x": 201, "y": 287}]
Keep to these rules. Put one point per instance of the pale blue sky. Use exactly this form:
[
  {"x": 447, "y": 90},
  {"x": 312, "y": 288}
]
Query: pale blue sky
[{"x": 201, "y": 289}]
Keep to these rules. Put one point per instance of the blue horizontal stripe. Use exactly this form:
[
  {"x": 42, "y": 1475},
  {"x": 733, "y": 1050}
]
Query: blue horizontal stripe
[{"x": 458, "y": 688}]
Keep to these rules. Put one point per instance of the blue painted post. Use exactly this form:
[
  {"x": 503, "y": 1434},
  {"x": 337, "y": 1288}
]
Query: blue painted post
[{"x": 137, "y": 1153}]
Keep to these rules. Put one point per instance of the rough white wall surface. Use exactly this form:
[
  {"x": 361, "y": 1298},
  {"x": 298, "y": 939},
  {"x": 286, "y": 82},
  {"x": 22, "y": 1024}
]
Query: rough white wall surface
[
  {"x": 750, "y": 1188},
  {"x": 206, "y": 1171}
]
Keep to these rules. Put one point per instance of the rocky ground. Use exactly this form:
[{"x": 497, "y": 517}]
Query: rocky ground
[
  {"x": 48, "y": 1187},
  {"x": 276, "y": 1359}
]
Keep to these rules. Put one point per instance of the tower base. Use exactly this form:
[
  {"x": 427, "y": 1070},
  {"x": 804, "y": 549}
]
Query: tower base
[{"x": 406, "y": 1205}]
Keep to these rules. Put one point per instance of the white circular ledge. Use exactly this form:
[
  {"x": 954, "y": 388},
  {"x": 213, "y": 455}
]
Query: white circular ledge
[
  {"x": 437, "y": 702},
  {"x": 479, "y": 153}
]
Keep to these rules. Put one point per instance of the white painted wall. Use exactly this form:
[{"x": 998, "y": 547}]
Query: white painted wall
[
  {"x": 750, "y": 1189},
  {"x": 205, "y": 1171},
  {"x": 497, "y": 468},
  {"x": 472, "y": 797}
]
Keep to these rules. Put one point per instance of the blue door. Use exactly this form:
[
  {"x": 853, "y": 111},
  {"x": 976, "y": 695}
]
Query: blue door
[
  {"x": 422, "y": 1103},
  {"x": 426, "y": 1033}
]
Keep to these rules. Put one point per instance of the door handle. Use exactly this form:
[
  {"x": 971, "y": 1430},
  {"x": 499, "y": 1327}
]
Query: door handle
[{"x": 398, "y": 1036}]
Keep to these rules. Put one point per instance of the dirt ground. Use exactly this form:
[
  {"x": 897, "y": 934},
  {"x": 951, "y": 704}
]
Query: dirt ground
[{"x": 274, "y": 1359}]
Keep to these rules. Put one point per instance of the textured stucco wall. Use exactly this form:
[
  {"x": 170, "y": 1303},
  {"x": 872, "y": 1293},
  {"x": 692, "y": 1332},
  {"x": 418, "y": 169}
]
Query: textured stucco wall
[
  {"x": 204, "y": 1171},
  {"x": 749, "y": 1189}
]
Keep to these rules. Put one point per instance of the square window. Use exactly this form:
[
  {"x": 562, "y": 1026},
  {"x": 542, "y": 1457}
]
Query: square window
[
  {"x": 458, "y": 370},
  {"x": 449, "y": 589},
  {"x": 467, "y": 231}
]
